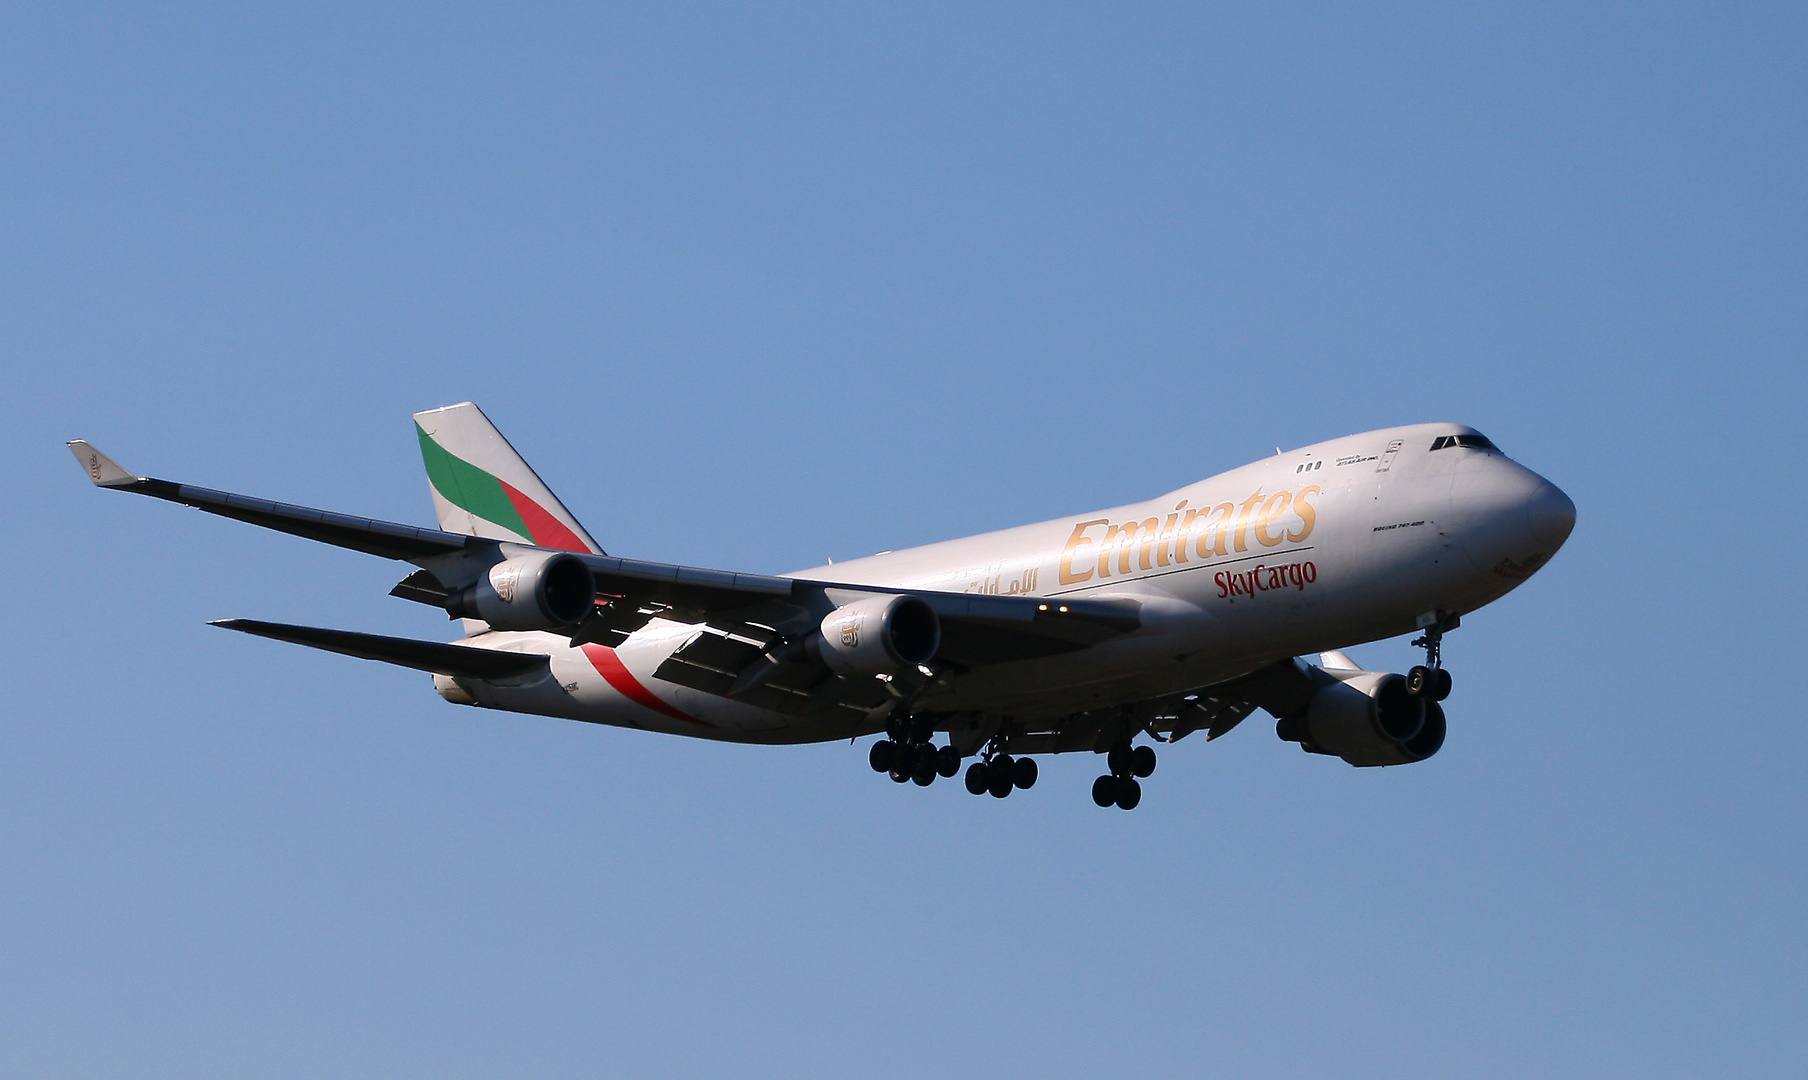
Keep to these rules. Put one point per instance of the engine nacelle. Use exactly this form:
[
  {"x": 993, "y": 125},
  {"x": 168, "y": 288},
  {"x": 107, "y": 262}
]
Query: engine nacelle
[
  {"x": 548, "y": 590},
  {"x": 877, "y": 636},
  {"x": 1368, "y": 719}
]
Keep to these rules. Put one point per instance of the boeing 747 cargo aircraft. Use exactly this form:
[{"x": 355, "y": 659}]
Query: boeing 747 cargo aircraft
[{"x": 1181, "y": 614}]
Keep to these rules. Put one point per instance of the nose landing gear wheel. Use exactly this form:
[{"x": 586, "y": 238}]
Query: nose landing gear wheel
[
  {"x": 1440, "y": 684},
  {"x": 1418, "y": 680}
]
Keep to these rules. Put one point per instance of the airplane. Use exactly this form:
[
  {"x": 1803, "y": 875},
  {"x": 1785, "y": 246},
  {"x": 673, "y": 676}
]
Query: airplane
[{"x": 1178, "y": 614}]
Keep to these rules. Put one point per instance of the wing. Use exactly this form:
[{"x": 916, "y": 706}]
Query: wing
[{"x": 743, "y": 618}]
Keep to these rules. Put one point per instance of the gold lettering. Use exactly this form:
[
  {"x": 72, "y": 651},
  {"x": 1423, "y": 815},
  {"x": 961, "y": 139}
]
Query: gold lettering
[
  {"x": 1114, "y": 540},
  {"x": 1207, "y": 546},
  {"x": 1151, "y": 530},
  {"x": 1244, "y": 514},
  {"x": 1307, "y": 515},
  {"x": 1184, "y": 537},
  {"x": 1074, "y": 543},
  {"x": 1123, "y": 540},
  {"x": 1167, "y": 535},
  {"x": 1271, "y": 510}
]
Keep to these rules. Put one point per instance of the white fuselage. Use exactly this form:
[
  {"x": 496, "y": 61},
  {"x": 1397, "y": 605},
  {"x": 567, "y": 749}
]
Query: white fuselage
[{"x": 1328, "y": 546}]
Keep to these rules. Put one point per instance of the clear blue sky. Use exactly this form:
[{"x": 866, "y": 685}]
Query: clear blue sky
[{"x": 757, "y": 287}]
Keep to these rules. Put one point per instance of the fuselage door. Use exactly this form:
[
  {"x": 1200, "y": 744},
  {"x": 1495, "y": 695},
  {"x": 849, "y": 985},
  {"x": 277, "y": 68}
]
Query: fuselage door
[{"x": 1387, "y": 459}]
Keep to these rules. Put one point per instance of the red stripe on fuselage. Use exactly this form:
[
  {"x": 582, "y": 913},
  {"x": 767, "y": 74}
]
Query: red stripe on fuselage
[
  {"x": 610, "y": 667},
  {"x": 545, "y": 530}
]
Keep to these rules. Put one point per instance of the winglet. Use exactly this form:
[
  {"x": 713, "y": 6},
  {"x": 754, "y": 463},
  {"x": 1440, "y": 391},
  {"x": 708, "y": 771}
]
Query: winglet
[{"x": 101, "y": 468}]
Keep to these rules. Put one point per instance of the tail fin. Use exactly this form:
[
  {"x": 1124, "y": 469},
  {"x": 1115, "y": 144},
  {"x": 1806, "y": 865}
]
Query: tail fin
[{"x": 481, "y": 487}]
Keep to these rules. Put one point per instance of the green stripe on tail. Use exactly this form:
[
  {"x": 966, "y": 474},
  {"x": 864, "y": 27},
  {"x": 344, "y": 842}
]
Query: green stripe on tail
[{"x": 468, "y": 487}]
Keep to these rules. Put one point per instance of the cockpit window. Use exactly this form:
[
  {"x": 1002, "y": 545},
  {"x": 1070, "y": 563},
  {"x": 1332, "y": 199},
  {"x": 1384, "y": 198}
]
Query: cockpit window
[{"x": 1473, "y": 442}]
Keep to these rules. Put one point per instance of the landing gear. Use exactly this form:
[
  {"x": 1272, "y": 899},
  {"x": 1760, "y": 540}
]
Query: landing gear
[
  {"x": 907, "y": 754},
  {"x": 998, "y": 774},
  {"x": 1120, "y": 791},
  {"x": 1025, "y": 773},
  {"x": 1430, "y": 678},
  {"x": 1126, "y": 763}
]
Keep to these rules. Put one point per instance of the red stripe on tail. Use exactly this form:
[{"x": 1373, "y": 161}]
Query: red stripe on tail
[{"x": 545, "y": 530}]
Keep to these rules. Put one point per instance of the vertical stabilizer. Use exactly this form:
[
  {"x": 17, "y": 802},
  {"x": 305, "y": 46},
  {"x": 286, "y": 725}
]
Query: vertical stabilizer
[{"x": 482, "y": 487}]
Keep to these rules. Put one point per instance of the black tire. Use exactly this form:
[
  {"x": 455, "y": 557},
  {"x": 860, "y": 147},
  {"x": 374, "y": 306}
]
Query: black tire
[
  {"x": 925, "y": 774},
  {"x": 1142, "y": 761},
  {"x": 896, "y": 728},
  {"x": 947, "y": 762},
  {"x": 1001, "y": 776},
  {"x": 977, "y": 780},
  {"x": 1440, "y": 684},
  {"x": 884, "y": 752},
  {"x": 922, "y": 728},
  {"x": 898, "y": 777},
  {"x": 1129, "y": 793},
  {"x": 1118, "y": 760},
  {"x": 1024, "y": 773},
  {"x": 1104, "y": 790},
  {"x": 1418, "y": 680}
]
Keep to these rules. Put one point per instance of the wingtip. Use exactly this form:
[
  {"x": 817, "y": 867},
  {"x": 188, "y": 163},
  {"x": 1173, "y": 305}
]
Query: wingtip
[{"x": 101, "y": 469}]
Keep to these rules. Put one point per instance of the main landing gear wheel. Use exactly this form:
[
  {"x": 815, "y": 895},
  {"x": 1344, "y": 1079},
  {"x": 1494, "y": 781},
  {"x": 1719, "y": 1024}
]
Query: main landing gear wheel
[
  {"x": 907, "y": 753},
  {"x": 1120, "y": 791},
  {"x": 1001, "y": 776},
  {"x": 1024, "y": 773},
  {"x": 927, "y": 763},
  {"x": 1129, "y": 793},
  {"x": 1104, "y": 790},
  {"x": 1126, "y": 763},
  {"x": 998, "y": 774}
]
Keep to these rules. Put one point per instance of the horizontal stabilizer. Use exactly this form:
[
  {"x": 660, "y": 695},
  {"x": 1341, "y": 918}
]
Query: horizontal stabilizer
[{"x": 454, "y": 660}]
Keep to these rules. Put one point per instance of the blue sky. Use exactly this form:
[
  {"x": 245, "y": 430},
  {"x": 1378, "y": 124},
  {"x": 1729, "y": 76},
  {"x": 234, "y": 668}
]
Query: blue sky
[{"x": 753, "y": 288}]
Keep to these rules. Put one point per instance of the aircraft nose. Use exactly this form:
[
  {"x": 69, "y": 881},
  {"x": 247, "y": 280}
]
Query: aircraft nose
[
  {"x": 1507, "y": 518},
  {"x": 1550, "y": 515}
]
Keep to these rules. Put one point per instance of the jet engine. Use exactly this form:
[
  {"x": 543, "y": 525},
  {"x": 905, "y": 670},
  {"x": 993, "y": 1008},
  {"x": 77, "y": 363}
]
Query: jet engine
[
  {"x": 548, "y": 590},
  {"x": 877, "y": 636},
  {"x": 1368, "y": 718}
]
